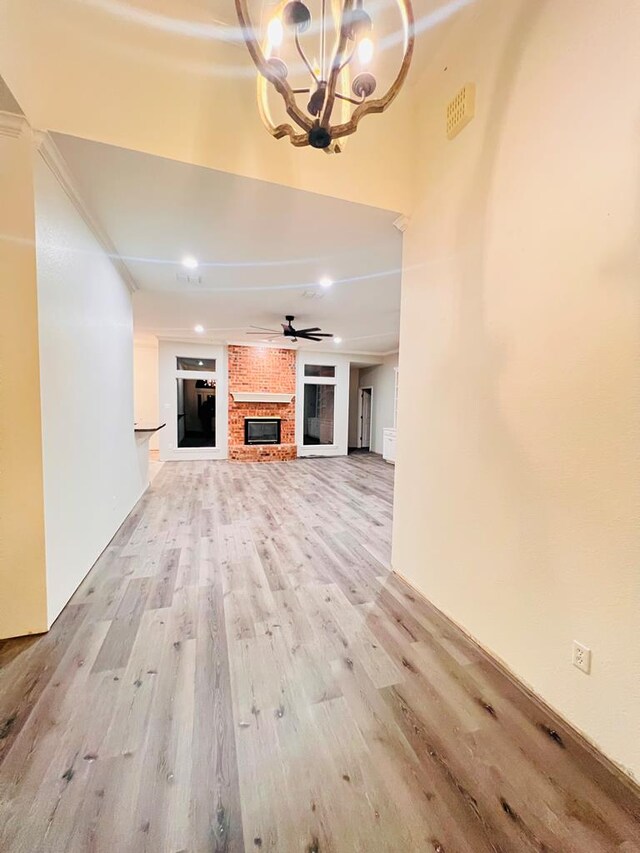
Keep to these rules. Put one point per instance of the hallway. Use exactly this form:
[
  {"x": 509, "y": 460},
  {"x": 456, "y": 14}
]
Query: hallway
[{"x": 239, "y": 671}]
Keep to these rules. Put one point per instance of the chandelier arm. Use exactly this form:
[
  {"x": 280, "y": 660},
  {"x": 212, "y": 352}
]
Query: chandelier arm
[
  {"x": 336, "y": 65},
  {"x": 379, "y": 105},
  {"x": 282, "y": 87},
  {"x": 281, "y": 130},
  {"x": 350, "y": 100},
  {"x": 323, "y": 39},
  {"x": 299, "y": 140},
  {"x": 349, "y": 58},
  {"x": 303, "y": 56}
]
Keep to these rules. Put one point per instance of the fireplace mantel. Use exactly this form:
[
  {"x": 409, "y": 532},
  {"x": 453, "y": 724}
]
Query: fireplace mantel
[{"x": 260, "y": 397}]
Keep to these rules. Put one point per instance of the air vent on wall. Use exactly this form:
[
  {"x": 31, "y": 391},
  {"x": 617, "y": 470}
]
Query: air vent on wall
[
  {"x": 461, "y": 110},
  {"x": 313, "y": 294},
  {"x": 188, "y": 278}
]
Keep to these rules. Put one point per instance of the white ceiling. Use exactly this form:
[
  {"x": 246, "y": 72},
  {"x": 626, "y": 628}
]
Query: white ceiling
[{"x": 261, "y": 247}]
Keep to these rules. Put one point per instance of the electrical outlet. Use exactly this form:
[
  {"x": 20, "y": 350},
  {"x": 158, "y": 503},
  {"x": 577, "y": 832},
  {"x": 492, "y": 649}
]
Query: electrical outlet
[{"x": 581, "y": 657}]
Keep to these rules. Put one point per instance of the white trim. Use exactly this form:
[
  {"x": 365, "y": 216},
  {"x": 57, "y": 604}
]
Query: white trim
[
  {"x": 340, "y": 383},
  {"x": 401, "y": 223},
  {"x": 168, "y": 351},
  {"x": 196, "y": 374},
  {"x": 260, "y": 397},
  {"x": 320, "y": 380},
  {"x": 47, "y": 149},
  {"x": 13, "y": 125},
  {"x": 220, "y": 340}
]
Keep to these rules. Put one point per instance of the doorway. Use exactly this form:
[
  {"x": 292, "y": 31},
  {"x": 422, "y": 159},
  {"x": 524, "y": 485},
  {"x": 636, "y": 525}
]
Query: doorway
[
  {"x": 196, "y": 412},
  {"x": 365, "y": 419}
]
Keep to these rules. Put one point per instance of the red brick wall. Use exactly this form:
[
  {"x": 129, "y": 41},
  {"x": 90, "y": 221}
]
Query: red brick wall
[{"x": 256, "y": 369}]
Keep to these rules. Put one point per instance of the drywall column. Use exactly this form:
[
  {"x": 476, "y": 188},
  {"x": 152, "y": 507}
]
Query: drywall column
[
  {"x": 85, "y": 319},
  {"x": 23, "y": 594},
  {"x": 517, "y": 507}
]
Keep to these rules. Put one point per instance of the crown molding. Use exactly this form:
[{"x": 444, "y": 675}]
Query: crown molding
[
  {"x": 401, "y": 223},
  {"x": 47, "y": 149},
  {"x": 13, "y": 125}
]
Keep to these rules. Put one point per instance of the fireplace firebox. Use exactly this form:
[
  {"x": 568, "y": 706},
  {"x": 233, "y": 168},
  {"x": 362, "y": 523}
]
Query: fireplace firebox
[{"x": 262, "y": 430}]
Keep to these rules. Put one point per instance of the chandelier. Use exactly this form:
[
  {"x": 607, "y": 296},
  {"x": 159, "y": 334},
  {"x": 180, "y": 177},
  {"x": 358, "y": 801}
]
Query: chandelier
[{"x": 321, "y": 65}]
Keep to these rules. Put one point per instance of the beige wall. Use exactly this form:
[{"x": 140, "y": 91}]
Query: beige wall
[
  {"x": 23, "y": 601},
  {"x": 146, "y": 404},
  {"x": 151, "y": 77},
  {"x": 383, "y": 381},
  {"x": 517, "y": 511}
]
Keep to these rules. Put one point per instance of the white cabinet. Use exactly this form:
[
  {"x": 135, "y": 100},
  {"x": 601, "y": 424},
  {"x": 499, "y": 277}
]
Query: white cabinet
[{"x": 389, "y": 445}]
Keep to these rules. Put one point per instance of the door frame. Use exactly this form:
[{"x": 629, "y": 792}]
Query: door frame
[
  {"x": 341, "y": 401},
  {"x": 360, "y": 392},
  {"x": 168, "y": 351}
]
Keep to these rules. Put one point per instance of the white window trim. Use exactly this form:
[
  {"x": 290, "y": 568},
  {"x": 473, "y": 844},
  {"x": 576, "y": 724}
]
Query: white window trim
[
  {"x": 341, "y": 384},
  {"x": 169, "y": 351}
]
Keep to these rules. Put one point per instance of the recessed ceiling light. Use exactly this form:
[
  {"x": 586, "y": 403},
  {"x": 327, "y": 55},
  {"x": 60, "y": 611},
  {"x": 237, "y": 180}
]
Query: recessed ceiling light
[
  {"x": 337, "y": 340},
  {"x": 200, "y": 364},
  {"x": 190, "y": 262},
  {"x": 199, "y": 329},
  {"x": 325, "y": 282}
]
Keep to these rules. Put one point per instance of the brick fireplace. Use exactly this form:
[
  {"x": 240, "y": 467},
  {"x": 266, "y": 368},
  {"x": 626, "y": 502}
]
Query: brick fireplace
[{"x": 260, "y": 372}]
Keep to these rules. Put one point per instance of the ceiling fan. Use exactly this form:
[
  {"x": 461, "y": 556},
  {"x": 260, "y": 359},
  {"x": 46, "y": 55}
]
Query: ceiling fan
[{"x": 312, "y": 334}]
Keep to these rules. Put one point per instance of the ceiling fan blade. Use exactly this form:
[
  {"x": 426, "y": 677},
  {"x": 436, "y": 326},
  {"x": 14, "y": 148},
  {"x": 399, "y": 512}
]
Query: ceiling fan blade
[
  {"x": 309, "y": 338},
  {"x": 323, "y": 334},
  {"x": 262, "y": 329},
  {"x": 304, "y": 331},
  {"x": 266, "y": 332}
]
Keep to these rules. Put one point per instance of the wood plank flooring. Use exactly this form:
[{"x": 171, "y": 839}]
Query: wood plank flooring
[{"x": 240, "y": 672}]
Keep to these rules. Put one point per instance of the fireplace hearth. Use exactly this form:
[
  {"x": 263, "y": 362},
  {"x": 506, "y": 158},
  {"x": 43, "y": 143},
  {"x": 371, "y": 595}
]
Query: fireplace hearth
[{"x": 262, "y": 431}]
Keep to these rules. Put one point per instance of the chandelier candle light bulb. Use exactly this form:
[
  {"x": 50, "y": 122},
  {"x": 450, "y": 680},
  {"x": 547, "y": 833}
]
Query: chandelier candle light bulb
[
  {"x": 365, "y": 51},
  {"x": 275, "y": 32},
  {"x": 312, "y": 72}
]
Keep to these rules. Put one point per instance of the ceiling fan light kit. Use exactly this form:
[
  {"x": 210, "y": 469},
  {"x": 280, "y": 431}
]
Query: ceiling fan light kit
[{"x": 327, "y": 105}]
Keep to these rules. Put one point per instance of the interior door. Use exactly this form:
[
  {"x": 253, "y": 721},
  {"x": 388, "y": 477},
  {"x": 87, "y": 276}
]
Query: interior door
[{"x": 365, "y": 419}]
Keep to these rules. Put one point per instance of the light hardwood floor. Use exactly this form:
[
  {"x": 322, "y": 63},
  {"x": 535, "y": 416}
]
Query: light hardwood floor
[{"x": 239, "y": 672}]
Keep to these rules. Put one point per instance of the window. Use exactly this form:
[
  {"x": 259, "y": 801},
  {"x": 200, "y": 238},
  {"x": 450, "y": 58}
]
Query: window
[
  {"x": 318, "y": 413},
  {"x": 321, "y": 370},
  {"x": 206, "y": 364},
  {"x": 196, "y": 413}
]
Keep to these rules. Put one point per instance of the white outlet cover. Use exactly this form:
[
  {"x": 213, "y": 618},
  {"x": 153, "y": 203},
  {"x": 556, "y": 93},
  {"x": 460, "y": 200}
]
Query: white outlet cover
[{"x": 581, "y": 657}]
